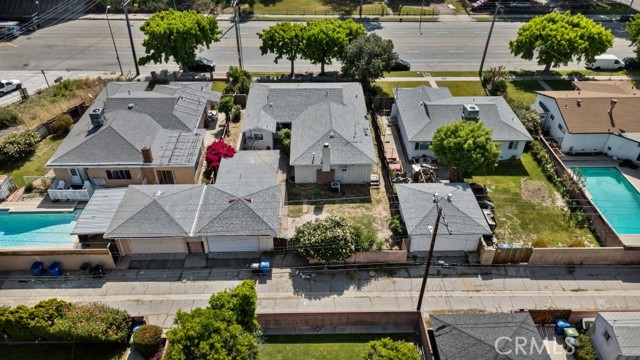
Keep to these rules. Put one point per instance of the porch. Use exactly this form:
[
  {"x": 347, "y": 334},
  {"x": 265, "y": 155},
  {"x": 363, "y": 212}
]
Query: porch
[{"x": 60, "y": 190}]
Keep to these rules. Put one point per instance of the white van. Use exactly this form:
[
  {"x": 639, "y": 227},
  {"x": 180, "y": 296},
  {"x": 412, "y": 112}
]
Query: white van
[{"x": 606, "y": 62}]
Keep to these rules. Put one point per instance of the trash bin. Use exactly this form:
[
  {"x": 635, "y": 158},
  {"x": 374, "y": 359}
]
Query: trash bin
[
  {"x": 85, "y": 268},
  {"x": 37, "y": 268},
  {"x": 55, "y": 269},
  {"x": 561, "y": 324}
]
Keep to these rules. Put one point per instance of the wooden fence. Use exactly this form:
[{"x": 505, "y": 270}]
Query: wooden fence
[{"x": 512, "y": 256}]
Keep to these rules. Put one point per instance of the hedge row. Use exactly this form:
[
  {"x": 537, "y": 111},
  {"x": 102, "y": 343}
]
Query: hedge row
[
  {"x": 55, "y": 319},
  {"x": 17, "y": 146}
]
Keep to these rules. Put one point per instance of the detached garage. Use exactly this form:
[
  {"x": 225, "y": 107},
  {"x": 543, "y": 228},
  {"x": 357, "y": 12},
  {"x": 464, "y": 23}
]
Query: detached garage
[
  {"x": 152, "y": 246},
  {"x": 465, "y": 222},
  {"x": 233, "y": 243}
]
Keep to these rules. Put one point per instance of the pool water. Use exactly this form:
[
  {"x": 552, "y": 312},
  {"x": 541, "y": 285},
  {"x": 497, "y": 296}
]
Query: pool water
[
  {"x": 616, "y": 199},
  {"x": 37, "y": 229}
]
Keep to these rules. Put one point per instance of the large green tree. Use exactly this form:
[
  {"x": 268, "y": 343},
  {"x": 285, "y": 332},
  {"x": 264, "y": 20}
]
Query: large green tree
[
  {"x": 633, "y": 28},
  {"x": 558, "y": 38},
  {"x": 329, "y": 239},
  {"x": 467, "y": 146},
  {"x": 283, "y": 39},
  {"x": 177, "y": 34},
  {"x": 367, "y": 58},
  {"x": 226, "y": 330},
  {"x": 326, "y": 39}
]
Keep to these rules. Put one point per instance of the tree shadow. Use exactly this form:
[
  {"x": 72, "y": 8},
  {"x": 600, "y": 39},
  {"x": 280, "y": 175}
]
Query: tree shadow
[
  {"x": 318, "y": 283},
  {"x": 511, "y": 167},
  {"x": 267, "y": 3},
  {"x": 345, "y": 7}
]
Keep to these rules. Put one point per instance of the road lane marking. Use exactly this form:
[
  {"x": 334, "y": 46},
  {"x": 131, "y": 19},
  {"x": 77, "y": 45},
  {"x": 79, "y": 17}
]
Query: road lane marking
[
  {"x": 456, "y": 51},
  {"x": 441, "y": 32}
]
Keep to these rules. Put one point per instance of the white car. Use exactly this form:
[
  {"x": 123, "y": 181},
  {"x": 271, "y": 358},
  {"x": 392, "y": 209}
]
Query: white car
[{"x": 7, "y": 86}]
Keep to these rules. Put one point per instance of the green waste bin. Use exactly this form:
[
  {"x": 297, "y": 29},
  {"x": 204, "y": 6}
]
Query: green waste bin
[{"x": 85, "y": 268}]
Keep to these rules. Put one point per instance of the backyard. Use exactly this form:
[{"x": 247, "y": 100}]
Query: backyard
[
  {"x": 528, "y": 208},
  {"x": 320, "y": 347},
  {"x": 34, "y": 165}
]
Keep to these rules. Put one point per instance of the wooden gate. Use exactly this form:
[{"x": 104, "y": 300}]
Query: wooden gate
[
  {"x": 284, "y": 244},
  {"x": 541, "y": 317},
  {"x": 512, "y": 256}
]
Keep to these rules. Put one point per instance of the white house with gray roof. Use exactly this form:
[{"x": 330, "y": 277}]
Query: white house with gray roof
[
  {"x": 240, "y": 213},
  {"x": 616, "y": 335},
  {"x": 465, "y": 220},
  {"x": 330, "y": 134},
  {"x": 423, "y": 110},
  {"x": 133, "y": 136}
]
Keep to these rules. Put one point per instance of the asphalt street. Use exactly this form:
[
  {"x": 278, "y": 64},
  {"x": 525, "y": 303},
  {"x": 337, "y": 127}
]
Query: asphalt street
[
  {"x": 85, "y": 45},
  {"x": 161, "y": 293}
]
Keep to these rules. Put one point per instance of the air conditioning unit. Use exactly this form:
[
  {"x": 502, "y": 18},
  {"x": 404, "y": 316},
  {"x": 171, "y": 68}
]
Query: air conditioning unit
[
  {"x": 471, "y": 111},
  {"x": 97, "y": 116}
]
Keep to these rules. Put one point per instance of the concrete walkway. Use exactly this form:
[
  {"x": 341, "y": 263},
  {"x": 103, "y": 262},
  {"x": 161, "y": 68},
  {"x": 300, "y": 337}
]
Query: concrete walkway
[{"x": 161, "y": 293}]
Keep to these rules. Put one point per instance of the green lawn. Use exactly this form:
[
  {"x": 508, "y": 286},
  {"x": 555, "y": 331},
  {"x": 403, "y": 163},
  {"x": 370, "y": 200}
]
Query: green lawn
[
  {"x": 454, "y": 73},
  {"x": 319, "y": 347},
  {"x": 523, "y": 91},
  {"x": 33, "y": 166},
  {"x": 463, "y": 88},
  {"x": 62, "y": 351},
  {"x": 388, "y": 86},
  {"x": 317, "y": 7},
  {"x": 218, "y": 86},
  {"x": 526, "y": 207},
  {"x": 404, "y": 74}
]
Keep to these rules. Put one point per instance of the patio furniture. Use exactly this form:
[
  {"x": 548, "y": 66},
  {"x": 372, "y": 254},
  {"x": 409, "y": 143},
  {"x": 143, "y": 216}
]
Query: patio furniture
[
  {"x": 37, "y": 268},
  {"x": 61, "y": 185},
  {"x": 55, "y": 269}
]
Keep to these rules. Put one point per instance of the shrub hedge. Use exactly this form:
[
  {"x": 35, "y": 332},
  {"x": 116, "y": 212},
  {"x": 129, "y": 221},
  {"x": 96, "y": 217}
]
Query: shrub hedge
[
  {"x": 8, "y": 118},
  {"x": 146, "y": 340},
  {"x": 55, "y": 319},
  {"x": 17, "y": 146},
  {"x": 62, "y": 124}
]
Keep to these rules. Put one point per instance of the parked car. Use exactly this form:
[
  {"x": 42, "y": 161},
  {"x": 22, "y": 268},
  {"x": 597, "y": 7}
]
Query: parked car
[
  {"x": 519, "y": 5},
  {"x": 482, "y": 5},
  {"x": 7, "y": 86},
  {"x": 401, "y": 65},
  {"x": 631, "y": 63},
  {"x": 202, "y": 65},
  {"x": 606, "y": 62}
]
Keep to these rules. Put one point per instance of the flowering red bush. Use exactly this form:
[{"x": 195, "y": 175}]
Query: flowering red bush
[{"x": 216, "y": 151}]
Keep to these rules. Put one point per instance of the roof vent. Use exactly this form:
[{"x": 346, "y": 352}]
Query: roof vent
[
  {"x": 248, "y": 199},
  {"x": 270, "y": 104},
  {"x": 332, "y": 134},
  {"x": 579, "y": 102},
  {"x": 232, "y": 200},
  {"x": 471, "y": 111},
  {"x": 131, "y": 106},
  {"x": 449, "y": 197},
  {"x": 157, "y": 193},
  {"x": 97, "y": 117}
]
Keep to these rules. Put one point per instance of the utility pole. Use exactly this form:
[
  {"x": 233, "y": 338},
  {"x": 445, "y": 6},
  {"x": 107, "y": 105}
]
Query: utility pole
[
  {"x": 630, "y": 7},
  {"x": 45, "y": 78},
  {"x": 236, "y": 17},
  {"x": 431, "y": 247},
  {"x": 421, "y": 10},
  {"x": 106, "y": 13},
  {"x": 486, "y": 46},
  {"x": 133, "y": 47}
]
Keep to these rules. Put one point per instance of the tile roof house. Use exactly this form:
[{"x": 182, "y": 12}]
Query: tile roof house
[
  {"x": 616, "y": 335},
  {"x": 599, "y": 117},
  {"x": 421, "y": 111},
  {"x": 330, "y": 134},
  {"x": 238, "y": 213},
  {"x": 507, "y": 336},
  {"x": 133, "y": 136},
  {"x": 461, "y": 212}
]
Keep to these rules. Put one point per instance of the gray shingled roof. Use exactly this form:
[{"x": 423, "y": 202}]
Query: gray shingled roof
[
  {"x": 155, "y": 119},
  {"x": 318, "y": 113},
  {"x": 474, "y": 336},
  {"x": 99, "y": 211},
  {"x": 250, "y": 167},
  {"x": 419, "y": 211},
  {"x": 626, "y": 326},
  {"x": 424, "y": 110}
]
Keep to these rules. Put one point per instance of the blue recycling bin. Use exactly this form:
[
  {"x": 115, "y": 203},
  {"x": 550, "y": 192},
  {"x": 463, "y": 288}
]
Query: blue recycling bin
[
  {"x": 561, "y": 324},
  {"x": 37, "y": 268},
  {"x": 55, "y": 269}
]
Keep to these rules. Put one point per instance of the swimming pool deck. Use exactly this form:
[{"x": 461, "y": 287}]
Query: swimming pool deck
[
  {"x": 43, "y": 204},
  {"x": 633, "y": 176}
]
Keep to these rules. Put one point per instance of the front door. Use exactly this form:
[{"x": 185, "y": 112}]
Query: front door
[{"x": 75, "y": 176}]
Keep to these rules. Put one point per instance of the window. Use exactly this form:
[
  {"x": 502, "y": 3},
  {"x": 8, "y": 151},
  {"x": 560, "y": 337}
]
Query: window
[
  {"x": 165, "y": 177},
  {"x": 562, "y": 128},
  {"x": 543, "y": 106},
  {"x": 606, "y": 335},
  {"x": 422, "y": 146},
  {"x": 73, "y": 172},
  {"x": 258, "y": 137},
  {"x": 513, "y": 145},
  {"x": 118, "y": 175},
  {"x": 344, "y": 167},
  {"x": 552, "y": 116}
]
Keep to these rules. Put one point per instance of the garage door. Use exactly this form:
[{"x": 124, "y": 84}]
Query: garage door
[
  {"x": 233, "y": 243},
  {"x": 158, "y": 246}
]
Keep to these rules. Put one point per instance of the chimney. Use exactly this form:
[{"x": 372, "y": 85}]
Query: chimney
[
  {"x": 613, "y": 105},
  {"x": 147, "y": 157},
  {"x": 326, "y": 157}
]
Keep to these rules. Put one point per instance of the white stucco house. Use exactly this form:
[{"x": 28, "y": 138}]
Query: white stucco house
[
  {"x": 422, "y": 110},
  {"x": 599, "y": 117},
  {"x": 465, "y": 220},
  {"x": 616, "y": 335},
  {"x": 331, "y": 139}
]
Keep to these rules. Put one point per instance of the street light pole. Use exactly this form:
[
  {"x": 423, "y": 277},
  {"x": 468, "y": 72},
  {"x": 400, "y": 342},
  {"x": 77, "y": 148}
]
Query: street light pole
[
  {"x": 106, "y": 13},
  {"x": 236, "y": 18},
  {"x": 133, "y": 47},
  {"x": 431, "y": 247},
  {"x": 486, "y": 46}
]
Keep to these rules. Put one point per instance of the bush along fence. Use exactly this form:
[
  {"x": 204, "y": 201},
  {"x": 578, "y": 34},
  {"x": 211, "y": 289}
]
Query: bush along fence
[{"x": 60, "y": 321}]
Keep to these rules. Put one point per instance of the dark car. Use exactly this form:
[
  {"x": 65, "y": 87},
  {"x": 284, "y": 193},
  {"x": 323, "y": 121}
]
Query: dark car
[
  {"x": 482, "y": 5},
  {"x": 202, "y": 65},
  {"x": 401, "y": 65},
  {"x": 631, "y": 63}
]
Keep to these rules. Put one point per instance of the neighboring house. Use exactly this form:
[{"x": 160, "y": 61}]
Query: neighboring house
[
  {"x": 600, "y": 117},
  {"x": 132, "y": 136},
  {"x": 465, "y": 219},
  {"x": 423, "y": 110},
  {"x": 616, "y": 335},
  {"x": 330, "y": 135},
  {"x": 241, "y": 212},
  {"x": 511, "y": 336}
]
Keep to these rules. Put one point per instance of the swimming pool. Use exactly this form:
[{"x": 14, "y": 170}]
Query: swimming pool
[
  {"x": 37, "y": 229},
  {"x": 616, "y": 199}
]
